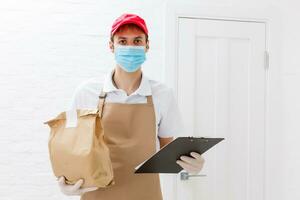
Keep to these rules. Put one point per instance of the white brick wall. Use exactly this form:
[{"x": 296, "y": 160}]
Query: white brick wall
[{"x": 48, "y": 47}]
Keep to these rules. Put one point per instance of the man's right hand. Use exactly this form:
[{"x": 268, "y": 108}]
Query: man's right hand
[{"x": 74, "y": 189}]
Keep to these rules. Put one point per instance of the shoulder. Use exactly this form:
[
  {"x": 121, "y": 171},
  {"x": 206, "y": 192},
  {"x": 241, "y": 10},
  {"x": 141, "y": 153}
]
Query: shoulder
[
  {"x": 86, "y": 93},
  {"x": 163, "y": 95},
  {"x": 90, "y": 85},
  {"x": 160, "y": 89}
]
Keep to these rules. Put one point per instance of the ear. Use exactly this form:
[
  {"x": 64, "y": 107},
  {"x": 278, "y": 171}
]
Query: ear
[
  {"x": 147, "y": 46},
  {"x": 111, "y": 46}
]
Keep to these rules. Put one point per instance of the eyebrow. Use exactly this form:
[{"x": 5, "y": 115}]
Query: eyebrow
[{"x": 138, "y": 37}]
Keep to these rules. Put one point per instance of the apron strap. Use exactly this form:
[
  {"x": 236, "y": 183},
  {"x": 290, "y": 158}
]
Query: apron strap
[
  {"x": 102, "y": 97},
  {"x": 149, "y": 100}
]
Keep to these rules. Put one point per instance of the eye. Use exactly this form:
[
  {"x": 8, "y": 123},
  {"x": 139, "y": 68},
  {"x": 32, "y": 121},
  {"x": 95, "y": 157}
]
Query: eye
[
  {"x": 122, "y": 42},
  {"x": 138, "y": 41}
]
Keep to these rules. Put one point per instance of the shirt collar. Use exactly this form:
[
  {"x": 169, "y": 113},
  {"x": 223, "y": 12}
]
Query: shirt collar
[{"x": 144, "y": 88}]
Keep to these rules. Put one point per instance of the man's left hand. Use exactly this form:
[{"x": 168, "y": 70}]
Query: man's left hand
[{"x": 193, "y": 164}]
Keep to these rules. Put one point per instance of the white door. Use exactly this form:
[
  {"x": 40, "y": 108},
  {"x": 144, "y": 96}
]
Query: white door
[{"x": 221, "y": 88}]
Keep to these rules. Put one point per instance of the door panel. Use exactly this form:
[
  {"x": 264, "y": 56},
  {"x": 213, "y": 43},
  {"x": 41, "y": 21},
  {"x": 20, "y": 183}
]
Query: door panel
[{"x": 221, "y": 93}]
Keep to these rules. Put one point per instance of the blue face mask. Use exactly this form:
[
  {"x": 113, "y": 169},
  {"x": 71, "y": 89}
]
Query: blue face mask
[{"x": 130, "y": 58}]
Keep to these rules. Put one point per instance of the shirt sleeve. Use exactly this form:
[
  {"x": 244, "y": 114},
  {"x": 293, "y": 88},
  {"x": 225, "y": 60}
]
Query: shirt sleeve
[{"x": 171, "y": 124}]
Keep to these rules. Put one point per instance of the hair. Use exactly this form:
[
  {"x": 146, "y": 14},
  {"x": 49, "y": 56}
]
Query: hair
[{"x": 129, "y": 26}]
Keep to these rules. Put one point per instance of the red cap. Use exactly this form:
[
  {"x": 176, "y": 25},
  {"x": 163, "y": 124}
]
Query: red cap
[{"x": 129, "y": 19}]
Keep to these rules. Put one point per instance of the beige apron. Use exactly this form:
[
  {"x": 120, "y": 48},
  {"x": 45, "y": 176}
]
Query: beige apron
[{"x": 129, "y": 132}]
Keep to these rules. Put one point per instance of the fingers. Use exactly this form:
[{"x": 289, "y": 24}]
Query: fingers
[
  {"x": 83, "y": 190},
  {"x": 193, "y": 163},
  {"x": 196, "y": 155},
  {"x": 189, "y": 160},
  {"x": 77, "y": 185},
  {"x": 187, "y": 167},
  {"x": 75, "y": 188},
  {"x": 61, "y": 181}
]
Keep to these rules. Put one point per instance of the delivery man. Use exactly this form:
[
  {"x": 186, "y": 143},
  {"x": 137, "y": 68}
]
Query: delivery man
[{"x": 140, "y": 116}]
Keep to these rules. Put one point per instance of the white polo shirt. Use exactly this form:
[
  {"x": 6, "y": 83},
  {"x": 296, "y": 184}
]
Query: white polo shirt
[{"x": 168, "y": 119}]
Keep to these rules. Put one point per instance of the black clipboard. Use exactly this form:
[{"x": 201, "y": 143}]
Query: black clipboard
[{"x": 164, "y": 161}]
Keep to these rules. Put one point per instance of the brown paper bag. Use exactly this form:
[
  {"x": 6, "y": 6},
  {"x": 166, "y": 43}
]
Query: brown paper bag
[{"x": 80, "y": 151}]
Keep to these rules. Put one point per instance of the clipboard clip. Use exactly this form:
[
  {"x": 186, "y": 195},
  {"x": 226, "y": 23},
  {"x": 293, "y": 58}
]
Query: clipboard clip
[{"x": 203, "y": 138}]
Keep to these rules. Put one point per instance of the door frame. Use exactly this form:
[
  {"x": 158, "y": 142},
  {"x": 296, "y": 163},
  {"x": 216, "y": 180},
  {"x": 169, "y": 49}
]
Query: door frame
[{"x": 273, "y": 19}]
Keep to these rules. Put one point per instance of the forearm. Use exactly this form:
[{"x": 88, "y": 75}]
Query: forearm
[{"x": 165, "y": 141}]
